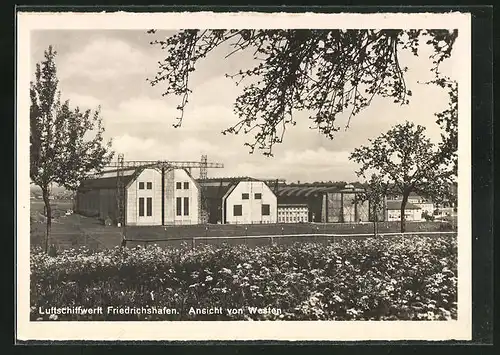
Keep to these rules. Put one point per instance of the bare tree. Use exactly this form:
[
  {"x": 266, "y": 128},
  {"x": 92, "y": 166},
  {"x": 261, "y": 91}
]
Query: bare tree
[
  {"x": 324, "y": 72},
  {"x": 66, "y": 145}
]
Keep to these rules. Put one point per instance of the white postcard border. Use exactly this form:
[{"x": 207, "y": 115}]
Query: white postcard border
[{"x": 460, "y": 329}]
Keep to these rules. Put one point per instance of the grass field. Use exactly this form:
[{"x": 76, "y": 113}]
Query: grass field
[{"x": 76, "y": 230}]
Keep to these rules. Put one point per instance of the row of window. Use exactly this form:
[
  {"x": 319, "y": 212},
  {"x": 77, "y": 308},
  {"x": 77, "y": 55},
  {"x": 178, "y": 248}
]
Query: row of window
[
  {"x": 238, "y": 210},
  {"x": 149, "y": 185},
  {"x": 179, "y": 208},
  {"x": 149, "y": 206},
  {"x": 291, "y": 212},
  {"x": 397, "y": 216},
  {"x": 257, "y": 196},
  {"x": 293, "y": 209},
  {"x": 292, "y": 219},
  {"x": 179, "y": 185}
]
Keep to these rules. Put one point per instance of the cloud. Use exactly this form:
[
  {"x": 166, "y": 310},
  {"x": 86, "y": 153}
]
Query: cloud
[
  {"x": 141, "y": 110},
  {"x": 309, "y": 165},
  {"x": 103, "y": 59},
  {"x": 83, "y": 101},
  {"x": 146, "y": 110},
  {"x": 214, "y": 117},
  {"x": 318, "y": 157},
  {"x": 136, "y": 148}
]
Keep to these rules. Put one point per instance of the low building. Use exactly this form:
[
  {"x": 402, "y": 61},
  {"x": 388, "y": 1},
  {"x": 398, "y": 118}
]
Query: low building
[
  {"x": 239, "y": 200},
  {"x": 393, "y": 211},
  {"x": 151, "y": 197},
  {"x": 441, "y": 212},
  {"x": 328, "y": 203},
  {"x": 293, "y": 213},
  {"x": 425, "y": 204}
]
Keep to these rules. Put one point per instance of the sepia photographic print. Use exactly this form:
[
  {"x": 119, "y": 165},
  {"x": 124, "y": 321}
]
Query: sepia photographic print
[{"x": 243, "y": 176}]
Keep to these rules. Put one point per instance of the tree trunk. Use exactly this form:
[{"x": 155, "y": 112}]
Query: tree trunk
[
  {"x": 48, "y": 210},
  {"x": 403, "y": 207}
]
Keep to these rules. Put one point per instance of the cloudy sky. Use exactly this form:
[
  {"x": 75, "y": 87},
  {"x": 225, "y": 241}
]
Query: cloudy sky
[{"x": 110, "y": 67}]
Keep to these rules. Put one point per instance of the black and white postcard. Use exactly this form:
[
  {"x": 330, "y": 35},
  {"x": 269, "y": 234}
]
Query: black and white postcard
[{"x": 243, "y": 176}]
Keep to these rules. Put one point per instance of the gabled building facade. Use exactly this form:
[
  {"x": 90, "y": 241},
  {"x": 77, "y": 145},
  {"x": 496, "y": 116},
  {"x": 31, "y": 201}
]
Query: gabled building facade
[
  {"x": 152, "y": 197},
  {"x": 240, "y": 200}
]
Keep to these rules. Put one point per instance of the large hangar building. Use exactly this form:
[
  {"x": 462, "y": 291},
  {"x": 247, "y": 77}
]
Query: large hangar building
[
  {"x": 239, "y": 200},
  {"x": 326, "y": 203},
  {"x": 150, "y": 197}
]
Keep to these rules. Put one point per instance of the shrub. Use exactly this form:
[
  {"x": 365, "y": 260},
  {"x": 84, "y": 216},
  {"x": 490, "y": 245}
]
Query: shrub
[
  {"x": 351, "y": 279},
  {"x": 427, "y": 216}
]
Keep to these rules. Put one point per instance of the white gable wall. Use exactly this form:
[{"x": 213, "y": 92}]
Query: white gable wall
[
  {"x": 187, "y": 214},
  {"x": 251, "y": 208},
  {"x": 134, "y": 194}
]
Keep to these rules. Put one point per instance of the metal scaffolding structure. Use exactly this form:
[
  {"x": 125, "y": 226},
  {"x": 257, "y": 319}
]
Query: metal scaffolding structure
[
  {"x": 203, "y": 167},
  {"x": 120, "y": 192},
  {"x": 203, "y": 203},
  {"x": 163, "y": 164}
]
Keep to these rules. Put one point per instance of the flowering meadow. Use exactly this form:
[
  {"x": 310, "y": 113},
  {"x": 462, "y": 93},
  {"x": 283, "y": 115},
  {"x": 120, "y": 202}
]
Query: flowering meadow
[{"x": 350, "y": 279}]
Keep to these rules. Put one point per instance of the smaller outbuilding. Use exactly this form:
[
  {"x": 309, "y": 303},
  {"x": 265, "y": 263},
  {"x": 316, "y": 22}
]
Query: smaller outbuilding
[
  {"x": 293, "y": 213},
  {"x": 424, "y": 203},
  {"x": 412, "y": 212}
]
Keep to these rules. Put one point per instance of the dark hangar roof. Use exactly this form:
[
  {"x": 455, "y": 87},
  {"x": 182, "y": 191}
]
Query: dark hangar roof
[
  {"x": 105, "y": 183},
  {"x": 216, "y": 192},
  {"x": 309, "y": 191},
  {"x": 218, "y": 187},
  {"x": 111, "y": 182}
]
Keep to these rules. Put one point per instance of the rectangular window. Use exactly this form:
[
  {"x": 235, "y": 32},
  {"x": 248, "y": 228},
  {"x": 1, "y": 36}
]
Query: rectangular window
[
  {"x": 245, "y": 196},
  {"x": 186, "y": 185},
  {"x": 178, "y": 185},
  {"x": 149, "y": 185},
  {"x": 141, "y": 186},
  {"x": 149, "y": 206},
  {"x": 186, "y": 206},
  {"x": 141, "y": 206},
  {"x": 179, "y": 206},
  {"x": 266, "y": 210},
  {"x": 258, "y": 196},
  {"x": 237, "y": 210}
]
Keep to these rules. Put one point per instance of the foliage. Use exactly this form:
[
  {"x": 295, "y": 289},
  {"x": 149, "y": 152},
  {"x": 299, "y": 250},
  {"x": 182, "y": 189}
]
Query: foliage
[
  {"x": 66, "y": 145},
  {"x": 427, "y": 216},
  {"x": 408, "y": 161},
  {"x": 325, "y": 72},
  {"x": 349, "y": 279},
  {"x": 375, "y": 191}
]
